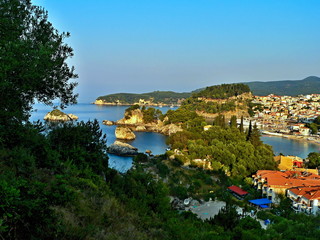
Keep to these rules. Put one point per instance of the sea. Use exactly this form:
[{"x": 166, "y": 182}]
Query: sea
[{"x": 154, "y": 141}]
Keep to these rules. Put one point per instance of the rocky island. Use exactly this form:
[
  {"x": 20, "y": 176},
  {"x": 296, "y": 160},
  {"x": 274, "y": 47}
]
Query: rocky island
[
  {"x": 57, "y": 115},
  {"x": 142, "y": 120},
  {"x": 122, "y": 149}
]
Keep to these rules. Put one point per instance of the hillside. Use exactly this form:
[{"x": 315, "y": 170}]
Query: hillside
[
  {"x": 226, "y": 99},
  {"x": 306, "y": 86},
  {"x": 156, "y": 97}
]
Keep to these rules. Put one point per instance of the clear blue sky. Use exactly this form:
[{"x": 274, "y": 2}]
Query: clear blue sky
[{"x": 140, "y": 46}]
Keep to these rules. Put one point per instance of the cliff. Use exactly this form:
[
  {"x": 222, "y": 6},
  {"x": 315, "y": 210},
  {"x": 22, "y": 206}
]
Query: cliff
[
  {"x": 124, "y": 133},
  {"x": 134, "y": 121},
  {"x": 57, "y": 115}
]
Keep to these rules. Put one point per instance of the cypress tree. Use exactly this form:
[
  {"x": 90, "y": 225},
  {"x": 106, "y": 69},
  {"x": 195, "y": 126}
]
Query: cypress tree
[
  {"x": 233, "y": 121},
  {"x": 241, "y": 128},
  {"x": 249, "y": 131},
  {"x": 255, "y": 136}
]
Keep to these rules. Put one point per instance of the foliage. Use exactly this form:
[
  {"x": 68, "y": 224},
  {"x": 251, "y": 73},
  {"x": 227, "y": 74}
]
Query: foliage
[
  {"x": 305, "y": 86},
  {"x": 223, "y": 91},
  {"x": 33, "y": 61},
  {"x": 313, "y": 160},
  {"x": 227, "y": 217},
  {"x": 166, "y": 97},
  {"x": 194, "y": 104},
  {"x": 227, "y": 146},
  {"x": 151, "y": 114}
]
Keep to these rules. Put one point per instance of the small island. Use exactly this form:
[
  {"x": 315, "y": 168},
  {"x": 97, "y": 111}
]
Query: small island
[{"x": 57, "y": 115}]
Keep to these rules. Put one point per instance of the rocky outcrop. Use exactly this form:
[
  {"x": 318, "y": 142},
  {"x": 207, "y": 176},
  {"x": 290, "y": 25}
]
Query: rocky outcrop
[
  {"x": 170, "y": 129},
  {"x": 122, "y": 149},
  {"x": 124, "y": 133},
  {"x": 57, "y": 115},
  {"x": 140, "y": 129},
  {"x": 131, "y": 118},
  {"x": 108, "y": 123}
]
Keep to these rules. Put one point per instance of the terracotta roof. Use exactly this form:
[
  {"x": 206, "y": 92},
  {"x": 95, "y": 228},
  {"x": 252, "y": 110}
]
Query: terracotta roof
[
  {"x": 307, "y": 192},
  {"x": 237, "y": 190},
  {"x": 289, "y": 179}
]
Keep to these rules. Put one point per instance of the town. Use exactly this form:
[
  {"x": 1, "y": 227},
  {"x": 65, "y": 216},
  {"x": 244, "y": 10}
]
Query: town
[{"x": 288, "y": 116}]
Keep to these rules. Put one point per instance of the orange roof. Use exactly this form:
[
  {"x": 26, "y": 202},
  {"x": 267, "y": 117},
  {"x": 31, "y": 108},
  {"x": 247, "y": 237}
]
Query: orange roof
[
  {"x": 289, "y": 179},
  {"x": 307, "y": 192}
]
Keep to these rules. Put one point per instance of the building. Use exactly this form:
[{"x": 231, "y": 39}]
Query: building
[
  {"x": 305, "y": 199},
  {"x": 273, "y": 183}
]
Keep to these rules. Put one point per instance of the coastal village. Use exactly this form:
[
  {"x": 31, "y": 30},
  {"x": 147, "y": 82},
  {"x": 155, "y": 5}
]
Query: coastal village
[{"x": 287, "y": 116}]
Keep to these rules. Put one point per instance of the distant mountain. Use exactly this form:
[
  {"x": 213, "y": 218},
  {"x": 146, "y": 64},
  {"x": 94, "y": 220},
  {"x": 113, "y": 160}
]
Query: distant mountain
[
  {"x": 306, "y": 86},
  {"x": 157, "y": 97}
]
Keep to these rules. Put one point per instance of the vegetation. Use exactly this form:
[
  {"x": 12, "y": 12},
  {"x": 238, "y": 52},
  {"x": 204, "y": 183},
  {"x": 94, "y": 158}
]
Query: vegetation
[
  {"x": 33, "y": 61},
  {"x": 57, "y": 112},
  {"x": 55, "y": 182},
  {"x": 313, "y": 160},
  {"x": 223, "y": 91},
  {"x": 165, "y": 97},
  {"x": 306, "y": 86},
  {"x": 149, "y": 114}
]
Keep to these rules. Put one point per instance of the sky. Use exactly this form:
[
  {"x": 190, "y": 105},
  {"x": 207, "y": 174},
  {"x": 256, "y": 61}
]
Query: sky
[{"x": 140, "y": 46}]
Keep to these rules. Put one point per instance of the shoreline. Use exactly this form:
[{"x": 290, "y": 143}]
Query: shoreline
[
  {"x": 297, "y": 138},
  {"x": 128, "y": 104}
]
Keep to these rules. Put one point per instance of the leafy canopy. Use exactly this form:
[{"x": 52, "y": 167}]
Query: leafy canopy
[{"x": 32, "y": 60}]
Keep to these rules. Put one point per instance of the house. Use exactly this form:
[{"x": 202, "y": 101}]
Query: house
[
  {"x": 237, "y": 192},
  {"x": 288, "y": 162},
  {"x": 273, "y": 183},
  {"x": 305, "y": 199}
]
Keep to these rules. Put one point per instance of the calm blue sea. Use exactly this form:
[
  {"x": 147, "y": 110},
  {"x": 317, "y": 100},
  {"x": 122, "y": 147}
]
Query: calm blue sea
[
  {"x": 290, "y": 147},
  {"x": 85, "y": 111}
]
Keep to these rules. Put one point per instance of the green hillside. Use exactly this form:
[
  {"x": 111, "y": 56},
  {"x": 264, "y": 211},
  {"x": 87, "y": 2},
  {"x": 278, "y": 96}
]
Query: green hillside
[
  {"x": 166, "y": 97},
  {"x": 308, "y": 85}
]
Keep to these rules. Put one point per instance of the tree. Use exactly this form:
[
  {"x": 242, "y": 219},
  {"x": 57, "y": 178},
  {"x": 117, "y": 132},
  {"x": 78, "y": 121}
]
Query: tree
[
  {"x": 254, "y": 137},
  {"x": 314, "y": 160},
  {"x": 227, "y": 217},
  {"x": 249, "y": 131},
  {"x": 233, "y": 121},
  {"x": 33, "y": 61},
  {"x": 241, "y": 128}
]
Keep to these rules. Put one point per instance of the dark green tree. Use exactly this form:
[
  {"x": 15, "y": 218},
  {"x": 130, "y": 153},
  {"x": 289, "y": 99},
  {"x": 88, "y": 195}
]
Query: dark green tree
[
  {"x": 241, "y": 127},
  {"x": 255, "y": 135},
  {"x": 227, "y": 217},
  {"x": 33, "y": 61},
  {"x": 233, "y": 121},
  {"x": 249, "y": 131},
  {"x": 314, "y": 160}
]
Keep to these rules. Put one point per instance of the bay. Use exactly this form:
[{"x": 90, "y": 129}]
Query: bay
[
  {"x": 85, "y": 111},
  {"x": 286, "y": 146}
]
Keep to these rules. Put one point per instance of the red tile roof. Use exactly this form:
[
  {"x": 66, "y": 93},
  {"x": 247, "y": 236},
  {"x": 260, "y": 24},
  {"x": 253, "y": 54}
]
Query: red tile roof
[
  {"x": 237, "y": 190},
  {"x": 307, "y": 192}
]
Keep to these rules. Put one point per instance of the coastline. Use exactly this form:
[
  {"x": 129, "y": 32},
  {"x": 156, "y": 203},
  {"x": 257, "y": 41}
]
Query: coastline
[
  {"x": 293, "y": 137},
  {"x": 128, "y": 104}
]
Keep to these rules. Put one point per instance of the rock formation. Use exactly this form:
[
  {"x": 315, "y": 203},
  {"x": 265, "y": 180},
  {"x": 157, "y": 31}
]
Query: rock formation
[
  {"x": 124, "y": 133},
  {"x": 131, "y": 118},
  {"x": 57, "y": 115},
  {"x": 133, "y": 121},
  {"x": 108, "y": 123},
  {"x": 122, "y": 149}
]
